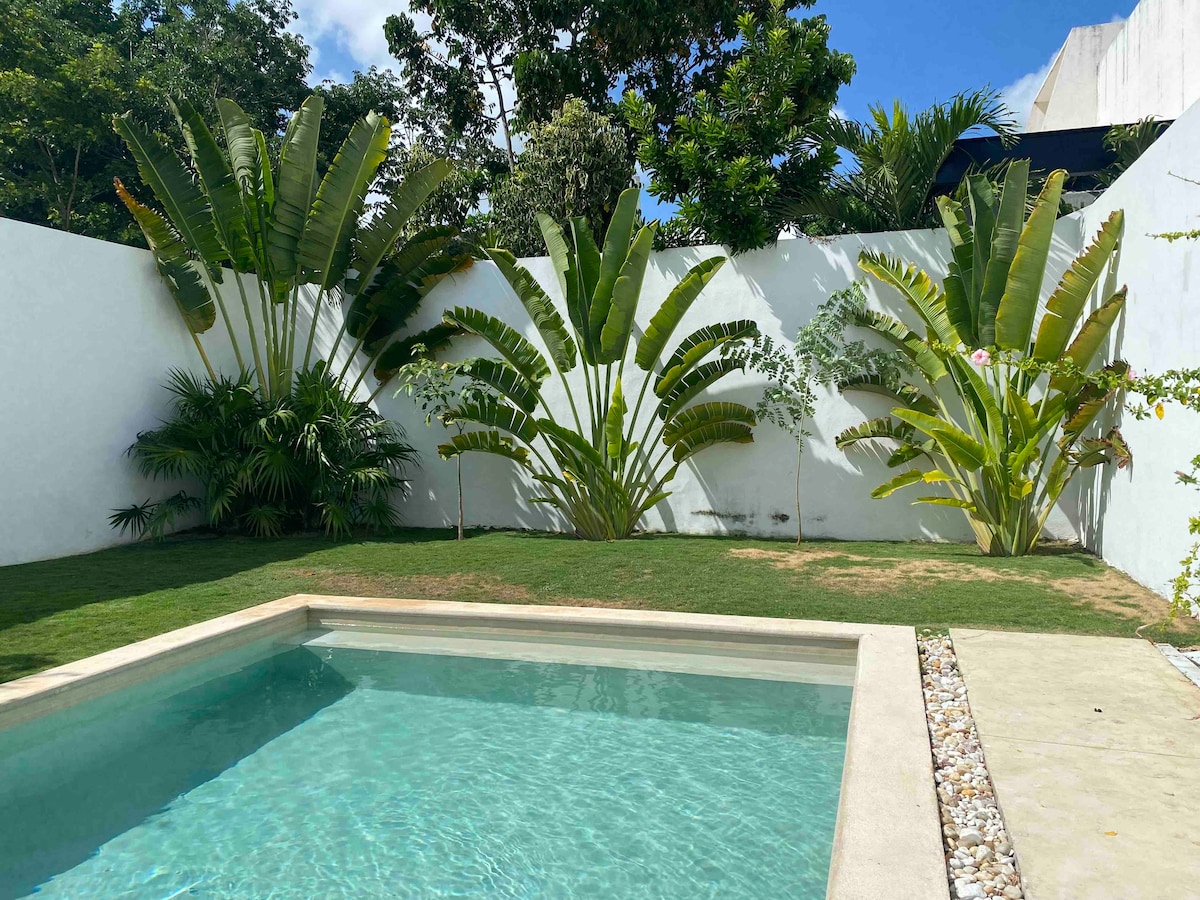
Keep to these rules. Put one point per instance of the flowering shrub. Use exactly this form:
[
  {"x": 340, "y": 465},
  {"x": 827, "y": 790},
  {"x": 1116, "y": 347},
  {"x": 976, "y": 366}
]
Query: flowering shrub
[{"x": 1014, "y": 436}]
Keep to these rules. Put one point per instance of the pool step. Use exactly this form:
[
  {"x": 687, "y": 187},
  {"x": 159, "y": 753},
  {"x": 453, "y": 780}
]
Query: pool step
[{"x": 770, "y": 662}]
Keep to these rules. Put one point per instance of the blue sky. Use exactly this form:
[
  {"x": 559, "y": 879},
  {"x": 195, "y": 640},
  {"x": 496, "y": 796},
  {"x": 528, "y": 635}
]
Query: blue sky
[
  {"x": 923, "y": 51},
  {"x": 920, "y": 51}
]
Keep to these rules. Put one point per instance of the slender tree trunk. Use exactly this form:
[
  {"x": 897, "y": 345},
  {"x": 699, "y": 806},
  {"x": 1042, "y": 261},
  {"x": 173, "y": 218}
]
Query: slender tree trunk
[
  {"x": 799, "y": 456},
  {"x": 458, "y": 462},
  {"x": 512, "y": 158}
]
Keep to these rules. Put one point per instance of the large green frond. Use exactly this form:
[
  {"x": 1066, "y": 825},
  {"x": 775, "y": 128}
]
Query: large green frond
[
  {"x": 1022, "y": 291},
  {"x": 673, "y": 309}
]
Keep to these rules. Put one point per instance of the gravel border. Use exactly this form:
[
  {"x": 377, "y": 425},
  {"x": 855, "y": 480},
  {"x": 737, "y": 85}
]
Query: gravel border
[{"x": 980, "y": 862}]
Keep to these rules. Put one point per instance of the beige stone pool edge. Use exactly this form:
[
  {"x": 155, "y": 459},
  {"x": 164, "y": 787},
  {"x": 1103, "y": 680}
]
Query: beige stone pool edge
[{"x": 887, "y": 840}]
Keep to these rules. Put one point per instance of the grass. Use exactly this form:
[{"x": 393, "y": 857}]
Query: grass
[{"x": 58, "y": 611}]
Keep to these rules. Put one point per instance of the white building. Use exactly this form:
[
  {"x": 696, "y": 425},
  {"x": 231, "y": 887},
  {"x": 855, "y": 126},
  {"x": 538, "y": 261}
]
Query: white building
[{"x": 1120, "y": 72}]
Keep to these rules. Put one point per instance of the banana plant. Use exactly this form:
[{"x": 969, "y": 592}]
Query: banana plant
[
  {"x": 605, "y": 466},
  {"x": 238, "y": 230},
  {"x": 1023, "y": 401}
]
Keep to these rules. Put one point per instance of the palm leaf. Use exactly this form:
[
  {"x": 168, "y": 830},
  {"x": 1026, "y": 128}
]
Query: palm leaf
[
  {"x": 496, "y": 414},
  {"x": 297, "y": 180},
  {"x": 673, "y": 309},
  {"x": 916, "y": 287},
  {"x": 704, "y": 414},
  {"x": 377, "y": 237},
  {"x": 691, "y": 384},
  {"x": 904, "y": 394},
  {"x": 505, "y": 379},
  {"x": 1092, "y": 335},
  {"x": 521, "y": 354},
  {"x": 1066, "y": 303},
  {"x": 909, "y": 342},
  {"x": 882, "y": 428},
  {"x": 709, "y": 435},
  {"x": 955, "y": 443},
  {"x": 484, "y": 442},
  {"x": 216, "y": 177},
  {"x": 903, "y": 480},
  {"x": 541, "y": 309},
  {"x": 186, "y": 206},
  {"x": 242, "y": 146},
  {"x": 1006, "y": 234},
  {"x": 324, "y": 247},
  {"x": 696, "y": 346},
  {"x": 587, "y": 274},
  {"x": 614, "y": 424},
  {"x": 183, "y": 275},
  {"x": 1022, "y": 291},
  {"x": 612, "y": 260},
  {"x": 400, "y": 353},
  {"x": 627, "y": 290}
]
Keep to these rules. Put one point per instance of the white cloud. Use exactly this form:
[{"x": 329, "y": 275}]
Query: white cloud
[
  {"x": 355, "y": 28},
  {"x": 1019, "y": 95}
]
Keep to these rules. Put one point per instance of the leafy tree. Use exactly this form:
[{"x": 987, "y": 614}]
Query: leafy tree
[
  {"x": 61, "y": 80},
  {"x": 208, "y": 49},
  {"x": 577, "y": 164},
  {"x": 733, "y": 151},
  {"x": 1127, "y": 143},
  {"x": 820, "y": 357},
  {"x": 67, "y": 66},
  {"x": 480, "y": 55},
  {"x": 889, "y": 184},
  {"x": 439, "y": 388},
  {"x": 375, "y": 90}
]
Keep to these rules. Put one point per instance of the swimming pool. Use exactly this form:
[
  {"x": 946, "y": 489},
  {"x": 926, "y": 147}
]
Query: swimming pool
[{"x": 377, "y": 759}]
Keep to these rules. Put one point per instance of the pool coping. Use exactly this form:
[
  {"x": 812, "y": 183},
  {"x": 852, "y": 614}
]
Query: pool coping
[{"x": 887, "y": 840}]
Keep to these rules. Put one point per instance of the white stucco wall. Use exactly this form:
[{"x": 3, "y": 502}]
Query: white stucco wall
[
  {"x": 1069, "y": 96},
  {"x": 1137, "y": 519},
  {"x": 1119, "y": 72},
  {"x": 1151, "y": 67},
  {"x": 90, "y": 333}
]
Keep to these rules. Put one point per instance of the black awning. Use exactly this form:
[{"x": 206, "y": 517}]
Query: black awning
[{"x": 1080, "y": 151}]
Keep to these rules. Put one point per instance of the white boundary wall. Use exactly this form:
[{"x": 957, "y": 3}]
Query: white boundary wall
[{"x": 89, "y": 334}]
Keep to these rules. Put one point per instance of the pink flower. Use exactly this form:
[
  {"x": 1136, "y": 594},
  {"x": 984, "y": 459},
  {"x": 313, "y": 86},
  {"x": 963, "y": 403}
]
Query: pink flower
[
  {"x": 1132, "y": 374},
  {"x": 981, "y": 357}
]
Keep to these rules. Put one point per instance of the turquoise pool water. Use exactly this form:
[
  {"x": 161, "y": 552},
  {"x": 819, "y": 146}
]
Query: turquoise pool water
[{"x": 321, "y": 773}]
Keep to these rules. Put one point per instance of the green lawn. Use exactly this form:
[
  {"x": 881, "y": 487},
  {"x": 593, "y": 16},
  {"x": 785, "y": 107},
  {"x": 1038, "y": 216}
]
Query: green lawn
[{"x": 54, "y": 612}]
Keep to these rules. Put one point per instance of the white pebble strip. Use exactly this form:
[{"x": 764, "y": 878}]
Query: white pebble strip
[{"x": 980, "y": 862}]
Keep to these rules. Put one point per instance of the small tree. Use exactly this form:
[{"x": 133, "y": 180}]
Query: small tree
[
  {"x": 439, "y": 388},
  {"x": 577, "y": 164},
  {"x": 820, "y": 357},
  {"x": 737, "y": 148}
]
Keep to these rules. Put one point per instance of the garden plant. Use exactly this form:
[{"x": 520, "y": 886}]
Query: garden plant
[
  {"x": 605, "y": 466},
  {"x": 1001, "y": 415},
  {"x": 313, "y": 459},
  {"x": 242, "y": 230},
  {"x": 820, "y": 357}
]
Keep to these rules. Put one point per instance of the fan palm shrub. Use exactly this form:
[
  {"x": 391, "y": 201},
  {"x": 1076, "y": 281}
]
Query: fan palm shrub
[
  {"x": 605, "y": 466},
  {"x": 1013, "y": 434},
  {"x": 313, "y": 459},
  {"x": 241, "y": 234}
]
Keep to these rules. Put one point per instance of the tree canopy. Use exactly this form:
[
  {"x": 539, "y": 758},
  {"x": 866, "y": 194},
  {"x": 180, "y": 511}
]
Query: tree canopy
[
  {"x": 68, "y": 66},
  {"x": 758, "y": 134},
  {"x": 577, "y": 164}
]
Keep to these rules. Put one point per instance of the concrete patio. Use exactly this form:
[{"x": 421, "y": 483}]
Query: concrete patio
[{"x": 1093, "y": 745}]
